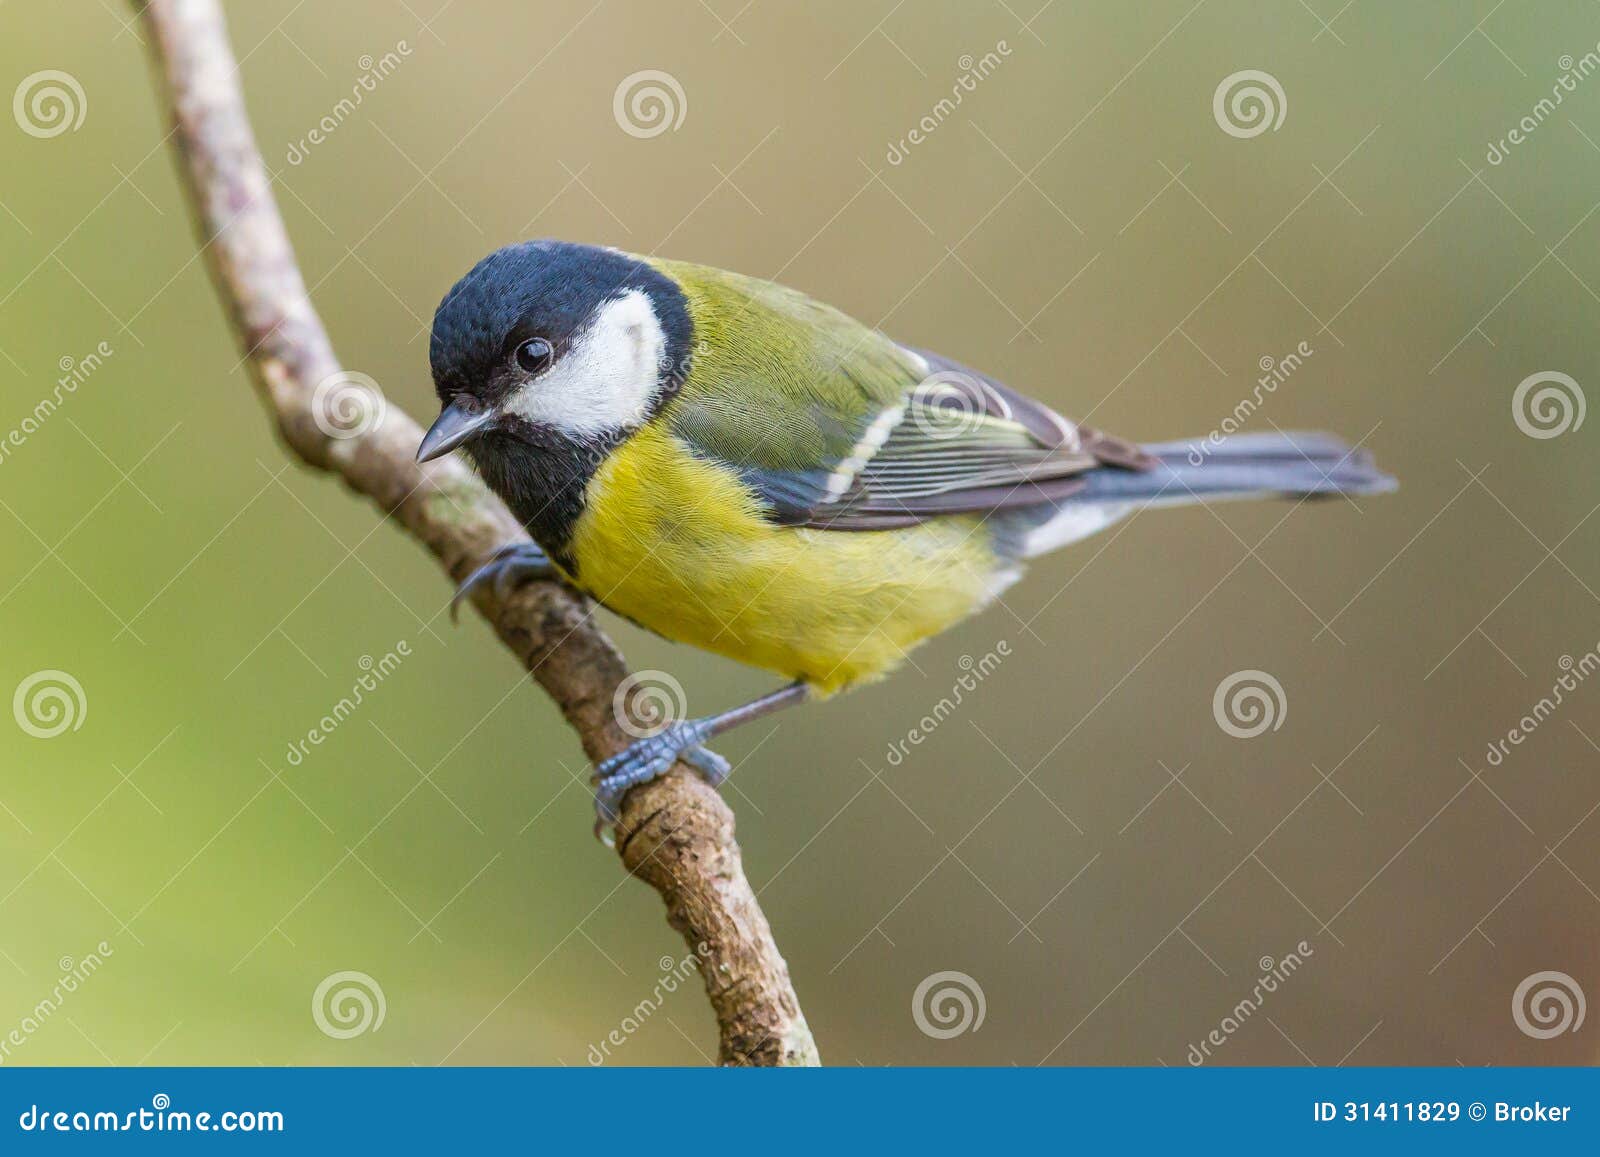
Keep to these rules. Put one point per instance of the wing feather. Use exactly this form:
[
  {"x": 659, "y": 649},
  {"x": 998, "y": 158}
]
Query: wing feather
[{"x": 839, "y": 427}]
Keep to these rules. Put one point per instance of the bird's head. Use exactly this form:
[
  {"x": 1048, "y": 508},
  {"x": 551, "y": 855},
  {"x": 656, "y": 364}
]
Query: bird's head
[{"x": 554, "y": 345}]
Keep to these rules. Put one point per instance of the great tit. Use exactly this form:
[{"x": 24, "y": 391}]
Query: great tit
[{"x": 732, "y": 464}]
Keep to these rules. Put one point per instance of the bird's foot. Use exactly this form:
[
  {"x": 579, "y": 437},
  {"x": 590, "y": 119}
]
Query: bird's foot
[
  {"x": 648, "y": 759},
  {"x": 507, "y": 569}
]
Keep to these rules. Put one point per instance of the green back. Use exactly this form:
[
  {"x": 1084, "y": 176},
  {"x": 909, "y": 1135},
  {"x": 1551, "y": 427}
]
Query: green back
[{"x": 778, "y": 381}]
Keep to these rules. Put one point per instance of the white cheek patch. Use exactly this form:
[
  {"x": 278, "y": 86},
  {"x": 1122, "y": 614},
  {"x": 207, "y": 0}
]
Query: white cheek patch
[{"x": 606, "y": 379}]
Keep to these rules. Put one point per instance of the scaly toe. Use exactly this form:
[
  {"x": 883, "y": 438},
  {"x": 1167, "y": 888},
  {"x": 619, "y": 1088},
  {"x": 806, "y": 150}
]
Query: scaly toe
[
  {"x": 613, "y": 785},
  {"x": 648, "y": 759}
]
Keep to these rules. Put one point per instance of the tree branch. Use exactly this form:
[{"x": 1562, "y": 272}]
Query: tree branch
[{"x": 676, "y": 834}]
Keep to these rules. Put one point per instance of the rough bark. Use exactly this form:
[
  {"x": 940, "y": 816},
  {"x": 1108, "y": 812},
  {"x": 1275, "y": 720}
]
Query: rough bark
[{"x": 675, "y": 834}]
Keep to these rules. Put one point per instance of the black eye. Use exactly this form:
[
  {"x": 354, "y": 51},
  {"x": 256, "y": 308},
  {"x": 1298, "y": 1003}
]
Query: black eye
[{"x": 534, "y": 354}]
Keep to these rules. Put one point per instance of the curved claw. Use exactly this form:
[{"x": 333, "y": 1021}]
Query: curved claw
[
  {"x": 648, "y": 759},
  {"x": 507, "y": 568}
]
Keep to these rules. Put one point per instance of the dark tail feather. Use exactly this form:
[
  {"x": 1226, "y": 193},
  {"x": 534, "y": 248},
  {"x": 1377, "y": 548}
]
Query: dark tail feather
[{"x": 1241, "y": 466}]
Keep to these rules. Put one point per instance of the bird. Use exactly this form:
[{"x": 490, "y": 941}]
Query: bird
[{"x": 732, "y": 464}]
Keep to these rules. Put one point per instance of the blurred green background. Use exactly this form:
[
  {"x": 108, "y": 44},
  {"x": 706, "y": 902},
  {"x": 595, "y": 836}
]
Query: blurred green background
[{"x": 1081, "y": 226}]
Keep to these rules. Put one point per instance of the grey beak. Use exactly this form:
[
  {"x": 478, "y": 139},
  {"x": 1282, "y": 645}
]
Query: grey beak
[{"x": 455, "y": 425}]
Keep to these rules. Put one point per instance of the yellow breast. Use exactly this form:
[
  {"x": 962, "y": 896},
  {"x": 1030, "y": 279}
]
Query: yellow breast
[{"x": 680, "y": 545}]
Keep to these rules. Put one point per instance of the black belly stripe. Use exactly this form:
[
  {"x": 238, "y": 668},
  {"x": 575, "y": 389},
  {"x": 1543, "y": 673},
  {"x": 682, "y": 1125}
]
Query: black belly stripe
[{"x": 544, "y": 484}]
